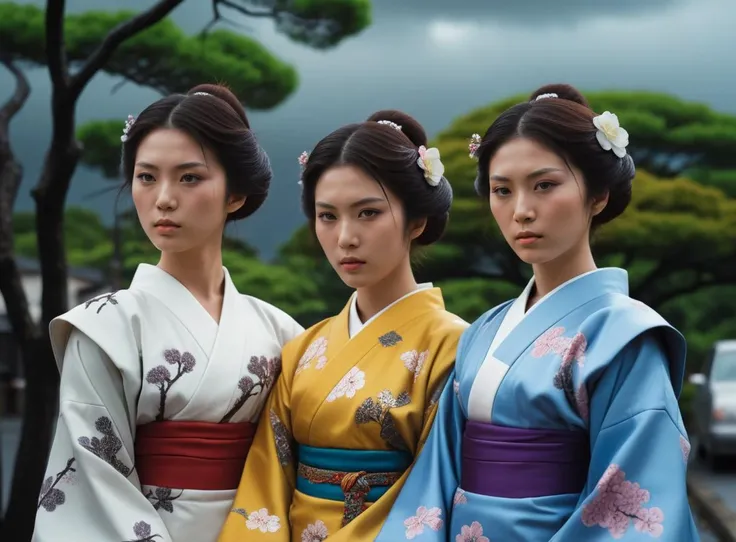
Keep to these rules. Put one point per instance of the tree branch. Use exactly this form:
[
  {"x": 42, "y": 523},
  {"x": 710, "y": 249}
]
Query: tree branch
[
  {"x": 11, "y": 174},
  {"x": 114, "y": 39},
  {"x": 55, "y": 49},
  {"x": 242, "y": 9},
  {"x": 19, "y": 97}
]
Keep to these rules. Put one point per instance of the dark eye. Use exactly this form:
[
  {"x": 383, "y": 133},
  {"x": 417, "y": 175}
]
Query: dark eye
[
  {"x": 189, "y": 178},
  {"x": 369, "y": 213},
  {"x": 545, "y": 185},
  {"x": 501, "y": 190},
  {"x": 145, "y": 177},
  {"x": 326, "y": 217}
]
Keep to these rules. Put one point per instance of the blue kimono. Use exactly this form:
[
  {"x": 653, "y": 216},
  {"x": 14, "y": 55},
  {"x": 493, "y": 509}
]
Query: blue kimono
[{"x": 560, "y": 423}]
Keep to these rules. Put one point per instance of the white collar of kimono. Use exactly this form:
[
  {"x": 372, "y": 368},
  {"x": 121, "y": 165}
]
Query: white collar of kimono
[
  {"x": 492, "y": 371},
  {"x": 355, "y": 325}
]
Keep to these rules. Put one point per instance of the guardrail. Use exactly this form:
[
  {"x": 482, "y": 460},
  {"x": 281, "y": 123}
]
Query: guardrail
[{"x": 717, "y": 516}]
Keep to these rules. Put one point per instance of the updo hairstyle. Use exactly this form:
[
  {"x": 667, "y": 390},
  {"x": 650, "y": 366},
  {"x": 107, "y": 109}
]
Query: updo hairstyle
[
  {"x": 215, "y": 118},
  {"x": 563, "y": 124},
  {"x": 388, "y": 155}
]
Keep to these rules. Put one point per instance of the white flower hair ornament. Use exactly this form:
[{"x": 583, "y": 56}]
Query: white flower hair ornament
[
  {"x": 474, "y": 145},
  {"x": 128, "y": 125},
  {"x": 545, "y": 96},
  {"x": 610, "y": 135},
  {"x": 429, "y": 161}
]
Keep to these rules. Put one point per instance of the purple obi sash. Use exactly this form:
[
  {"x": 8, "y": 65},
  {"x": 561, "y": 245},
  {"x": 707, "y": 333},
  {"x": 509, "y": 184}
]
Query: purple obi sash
[{"x": 517, "y": 463}]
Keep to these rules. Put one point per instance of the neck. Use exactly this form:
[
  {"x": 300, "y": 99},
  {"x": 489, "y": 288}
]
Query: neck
[
  {"x": 376, "y": 297},
  {"x": 550, "y": 275},
  {"x": 200, "y": 271}
]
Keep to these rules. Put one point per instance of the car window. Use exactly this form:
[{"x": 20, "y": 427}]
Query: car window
[{"x": 724, "y": 367}]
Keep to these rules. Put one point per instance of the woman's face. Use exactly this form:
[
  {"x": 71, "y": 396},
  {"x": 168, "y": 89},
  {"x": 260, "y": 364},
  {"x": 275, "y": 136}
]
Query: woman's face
[
  {"x": 361, "y": 227},
  {"x": 180, "y": 192},
  {"x": 539, "y": 203}
]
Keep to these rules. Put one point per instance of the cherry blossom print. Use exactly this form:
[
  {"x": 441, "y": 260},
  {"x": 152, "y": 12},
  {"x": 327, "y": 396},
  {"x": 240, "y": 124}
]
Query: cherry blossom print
[
  {"x": 315, "y": 532},
  {"x": 582, "y": 402},
  {"x": 549, "y": 342},
  {"x": 51, "y": 496},
  {"x": 314, "y": 352},
  {"x": 570, "y": 350},
  {"x": 353, "y": 381},
  {"x": 261, "y": 520},
  {"x": 456, "y": 388},
  {"x": 685, "y": 447},
  {"x": 414, "y": 361},
  {"x": 471, "y": 533},
  {"x": 459, "y": 497},
  {"x": 143, "y": 533},
  {"x": 160, "y": 376},
  {"x": 618, "y": 502},
  {"x": 103, "y": 299},
  {"x": 107, "y": 447},
  {"x": 425, "y": 517},
  {"x": 162, "y": 499},
  {"x": 265, "y": 370}
]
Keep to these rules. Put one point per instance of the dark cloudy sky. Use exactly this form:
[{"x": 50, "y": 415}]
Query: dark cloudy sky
[{"x": 435, "y": 59}]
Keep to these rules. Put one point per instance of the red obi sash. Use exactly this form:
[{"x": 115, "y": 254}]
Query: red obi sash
[{"x": 192, "y": 455}]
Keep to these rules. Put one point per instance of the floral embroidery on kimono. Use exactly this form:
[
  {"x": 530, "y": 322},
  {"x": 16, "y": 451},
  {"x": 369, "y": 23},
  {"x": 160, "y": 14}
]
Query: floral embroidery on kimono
[
  {"x": 315, "y": 532},
  {"x": 353, "y": 381},
  {"x": 425, "y": 517},
  {"x": 315, "y": 352},
  {"x": 620, "y": 501}
]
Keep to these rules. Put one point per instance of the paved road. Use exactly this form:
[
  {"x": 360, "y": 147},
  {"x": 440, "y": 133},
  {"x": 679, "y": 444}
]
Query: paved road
[{"x": 723, "y": 482}]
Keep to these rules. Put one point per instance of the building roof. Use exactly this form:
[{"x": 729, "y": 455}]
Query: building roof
[{"x": 32, "y": 266}]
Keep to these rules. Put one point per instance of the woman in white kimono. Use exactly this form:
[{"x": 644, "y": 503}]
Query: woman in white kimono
[
  {"x": 562, "y": 422},
  {"x": 162, "y": 383}
]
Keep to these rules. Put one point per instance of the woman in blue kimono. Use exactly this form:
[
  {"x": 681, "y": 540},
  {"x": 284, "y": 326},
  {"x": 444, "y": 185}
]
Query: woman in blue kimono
[{"x": 561, "y": 422}]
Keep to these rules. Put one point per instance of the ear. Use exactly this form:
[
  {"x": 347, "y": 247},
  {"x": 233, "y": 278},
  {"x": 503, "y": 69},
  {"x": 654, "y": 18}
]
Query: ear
[
  {"x": 234, "y": 203},
  {"x": 416, "y": 228},
  {"x": 599, "y": 204}
]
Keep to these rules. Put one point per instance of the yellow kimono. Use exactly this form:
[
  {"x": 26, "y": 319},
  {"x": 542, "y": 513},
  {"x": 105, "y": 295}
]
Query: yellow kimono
[{"x": 344, "y": 423}]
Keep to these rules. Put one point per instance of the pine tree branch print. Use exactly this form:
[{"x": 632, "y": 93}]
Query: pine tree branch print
[{"x": 380, "y": 412}]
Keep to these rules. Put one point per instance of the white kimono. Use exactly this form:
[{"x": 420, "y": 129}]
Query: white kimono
[{"x": 142, "y": 355}]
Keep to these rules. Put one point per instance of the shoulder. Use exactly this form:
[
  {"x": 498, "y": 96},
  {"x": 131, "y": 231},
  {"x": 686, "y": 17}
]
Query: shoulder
[
  {"x": 111, "y": 321},
  {"x": 314, "y": 338},
  {"x": 625, "y": 328},
  {"x": 283, "y": 325},
  {"x": 621, "y": 319}
]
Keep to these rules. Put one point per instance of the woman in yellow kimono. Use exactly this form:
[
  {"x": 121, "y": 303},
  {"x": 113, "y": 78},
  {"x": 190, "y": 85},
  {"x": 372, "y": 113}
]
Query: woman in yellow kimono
[{"x": 358, "y": 391}]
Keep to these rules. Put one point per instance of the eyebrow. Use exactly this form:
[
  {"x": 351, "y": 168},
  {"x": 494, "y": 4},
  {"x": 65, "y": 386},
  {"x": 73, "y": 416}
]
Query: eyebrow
[
  {"x": 358, "y": 203},
  {"x": 185, "y": 165},
  {"x": 532, "y": 175}
]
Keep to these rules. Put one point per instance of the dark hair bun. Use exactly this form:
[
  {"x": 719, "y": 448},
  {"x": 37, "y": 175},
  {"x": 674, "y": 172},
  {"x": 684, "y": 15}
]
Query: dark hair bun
[
  {"x": 226, "y": 95},
  {"x": 563, "y": 91},
  {"x": 410, "y": 127}
]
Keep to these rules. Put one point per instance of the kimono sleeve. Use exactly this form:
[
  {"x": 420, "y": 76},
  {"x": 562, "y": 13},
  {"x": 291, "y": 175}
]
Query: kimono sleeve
[
  {"x": 639, "y": 449},
  {"x": 91, "y": 491},
  {"x": 425, "y": 502},
  {"x": 260, "y": 510}
]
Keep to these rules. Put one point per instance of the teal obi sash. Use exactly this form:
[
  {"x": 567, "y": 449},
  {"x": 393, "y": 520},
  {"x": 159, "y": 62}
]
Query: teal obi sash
[{"x": 351, "y": 476}]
